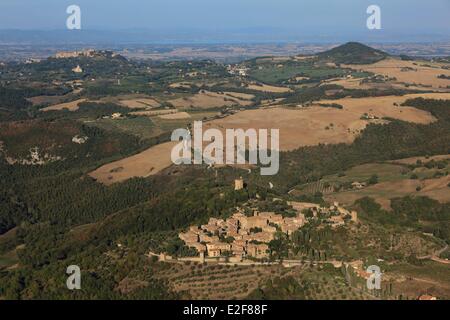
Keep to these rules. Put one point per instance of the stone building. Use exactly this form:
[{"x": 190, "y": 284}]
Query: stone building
[
  {"x": 354, "y": 215},
  {"x": 217, "y": 249},
  {"x": 77, "y": 69},
  {"x": 239, "y": 184},
  {"x": 258, "y": 251},
  {"x": 242, "y": 235}
]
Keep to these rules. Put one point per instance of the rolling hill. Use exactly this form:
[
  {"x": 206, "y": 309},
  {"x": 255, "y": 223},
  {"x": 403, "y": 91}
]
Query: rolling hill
[{"x": 354, "y": 53}]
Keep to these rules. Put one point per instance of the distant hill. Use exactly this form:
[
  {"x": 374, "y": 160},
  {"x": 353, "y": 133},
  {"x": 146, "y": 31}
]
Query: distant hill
[
  {"x": 93, "y": 63},
  {"x": 90, "y": 53},
  {"x": 354, "y": 53}
]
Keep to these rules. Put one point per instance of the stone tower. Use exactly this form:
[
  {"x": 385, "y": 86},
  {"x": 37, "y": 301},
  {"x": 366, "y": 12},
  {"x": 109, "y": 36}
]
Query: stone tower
[
  {"x": 239, "y": 184},
  {"x": 354, "y": 215}
]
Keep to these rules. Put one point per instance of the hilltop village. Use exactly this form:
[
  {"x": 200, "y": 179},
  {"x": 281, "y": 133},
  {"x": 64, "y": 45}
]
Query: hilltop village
[{"x": 247, "y": 237}]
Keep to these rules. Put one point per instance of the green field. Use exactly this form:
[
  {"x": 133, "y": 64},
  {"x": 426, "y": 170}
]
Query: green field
[
  {"x": 430, "y": 269},
  {"x": 275, "y": 75},
  {"x": 142, "y": 127},
  {"x": 146, "y": 127},
  {"x": 384, "y": 171},
  {"x": 170, "y": 125},
  {"x": 8, "y": 259}
]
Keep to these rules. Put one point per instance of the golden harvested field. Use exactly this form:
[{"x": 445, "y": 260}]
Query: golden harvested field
[
  {"x": 382, "y": 192},
  {"x": 268, "y": 88},
  {"x": 144, "y": 103},
  {"x": 175, "y": 116},
  {"x": 407, "y": 72},
  {"x": 314, "y": 125},
  {"x": 303, "y": 58},
  {"x": 208, "y": 99},
  {"x": 436, "y": 188},
  {"x": 297, "y": 127},
  {"x": 384, "y": 106},
  {"x": 71, "y": 106},
  {"x": 182, "y": 85},
  {"x": 355, "y": 83},
  {"x": 144, "y": 164},
  {"x": 239, "y": 95}
]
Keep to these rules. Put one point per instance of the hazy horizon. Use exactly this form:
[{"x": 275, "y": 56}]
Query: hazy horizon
[{"x": 241, "y": 20}]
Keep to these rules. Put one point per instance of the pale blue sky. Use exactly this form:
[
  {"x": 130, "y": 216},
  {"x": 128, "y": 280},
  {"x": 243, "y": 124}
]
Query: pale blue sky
[{"x": 305, "y": 16}]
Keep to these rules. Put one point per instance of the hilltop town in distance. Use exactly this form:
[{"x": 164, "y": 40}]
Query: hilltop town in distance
[
  {"x": 226, "y": 53},
  {"x": 87, "y": 177}
]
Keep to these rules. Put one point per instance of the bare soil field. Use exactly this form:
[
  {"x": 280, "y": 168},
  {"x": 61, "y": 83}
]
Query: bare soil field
[
  {"x": 181, "y": 85},
  {"x": 45, "y": 99},
  {"x": 71, "y": 106},
  {"x": 144, "y": 103},
  {"x": 268, "y": 88},
  {"x": 144, "y": 164},
  {"x": 208, "y": 99},
  {"x": 407, "y": 72},
  {"x": 355, "y": 83},
  {"x": 175, "y": 116},
  {"x": 239, "y": 95},
  {"x": 382, "y": 192},
  {"x": 314, "y": 125}
]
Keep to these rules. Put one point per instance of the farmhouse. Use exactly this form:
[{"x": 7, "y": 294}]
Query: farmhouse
[
  {"x": 257, "y": 250},
  {"x": 238, "y": 70},
  {"x": 77, "y": 69},
  {"x": 216, "y": 249},
  {"x": 79, "y": 139},
  {"x": 358, "y": 185},
  {"x": 116, "y": 115}
]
